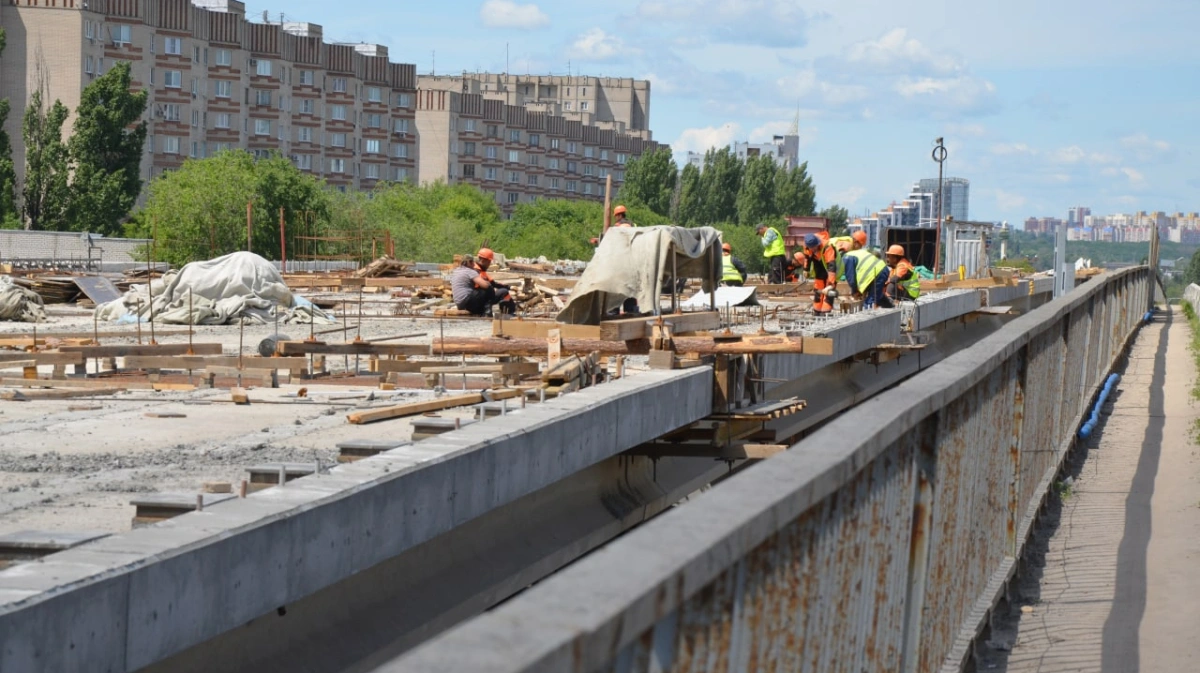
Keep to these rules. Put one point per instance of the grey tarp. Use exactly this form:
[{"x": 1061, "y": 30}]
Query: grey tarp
[
  {"x": 240, "y": 286},
  {"x": 632, "y": 262},
  {"x": 19, "y": 304}
]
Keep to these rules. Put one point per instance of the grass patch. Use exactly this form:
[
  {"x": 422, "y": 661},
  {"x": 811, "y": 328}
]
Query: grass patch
[{"x": 1194, "y": 346}]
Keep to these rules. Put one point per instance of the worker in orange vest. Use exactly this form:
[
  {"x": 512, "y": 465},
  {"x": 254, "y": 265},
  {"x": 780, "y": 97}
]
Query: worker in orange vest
[
  {"x": 620, "y": 219},
  {"x": 904, "y": 282},
  {"x": 823, "y": 266}
]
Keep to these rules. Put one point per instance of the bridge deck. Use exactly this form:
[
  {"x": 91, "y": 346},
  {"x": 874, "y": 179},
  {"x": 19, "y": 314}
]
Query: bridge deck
[{"x": 1119, "y": 584}]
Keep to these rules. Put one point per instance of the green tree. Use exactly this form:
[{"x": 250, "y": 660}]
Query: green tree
[
  {"x": 719, "y": 183},
  {"x": 199, "y": 211},
  {"x": 756, "y": 198},
  {"x": 746, "y": 245},
  {"x": 9, "y": 218},
  {"x": 106, "y": 152},
  {"x": 650, "y": 181},
  {"x": 432, "y": 222},
  {"x": 839, "y": 218},
  {"x": 794, "y": 191},
  {"x": 45, "y": 193},
  {"x": 558, "y": 229},
  {"x": 1192, "y": 275},
  {"x": 689, "y": 207}
]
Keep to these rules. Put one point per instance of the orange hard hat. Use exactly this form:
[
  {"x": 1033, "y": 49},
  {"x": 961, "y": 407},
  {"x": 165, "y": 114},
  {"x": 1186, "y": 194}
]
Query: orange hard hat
[
  {"x": 897, "y": 250},
  {"x": 619, "y": 210},
  {"x": 799, "y": 256},
  {"x": 726, "y": 247},
  {"x": 860, "y": 237},
  {"x": 486, "y": 253}
]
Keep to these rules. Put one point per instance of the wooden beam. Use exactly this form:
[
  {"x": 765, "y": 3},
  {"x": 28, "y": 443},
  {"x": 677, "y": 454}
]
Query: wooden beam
[
  {"x": 533, "y": 329},
  {"x": 438, "y": 404},
  {"x": 126, "y": 351},
  {"x": 504, "y": 368},
  {"x": 55, "y": 394},
  {"x": 116, "y": 384},
  {"x": 196, "y": 362},
  {"x": 409, "y": 366},
  {"x": 44, "y": 358},
  {"x": 239, "y": 396},
  {"x": 305, "y": 348},
  {"x": 700, "y": 345},
  {"x": 90, "y": 334},
  {"x": 18, "y": 364},
  {"x": 627, "y": 329}
]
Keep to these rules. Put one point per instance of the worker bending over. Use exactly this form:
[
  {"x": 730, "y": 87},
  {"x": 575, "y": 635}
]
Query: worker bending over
[
  {"x": 903, "y": 282},
  {"x": 733, "y": 271},
  {"x": 867, "y": 276},
  {"x": 474, "y": 290},
  {"x": 824, "y": 265},
  {"x": 775, "y": 251}
]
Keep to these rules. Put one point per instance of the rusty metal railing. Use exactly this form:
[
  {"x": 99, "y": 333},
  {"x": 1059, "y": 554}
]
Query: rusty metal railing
[{"x": 879, "y": 543}]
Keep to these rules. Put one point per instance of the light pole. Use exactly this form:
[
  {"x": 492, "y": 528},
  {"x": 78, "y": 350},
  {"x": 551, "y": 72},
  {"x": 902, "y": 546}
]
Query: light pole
[{"x": 939, "y": 155}]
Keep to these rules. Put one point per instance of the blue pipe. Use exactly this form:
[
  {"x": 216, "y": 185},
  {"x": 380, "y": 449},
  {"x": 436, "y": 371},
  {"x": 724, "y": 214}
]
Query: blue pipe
[
  {"x": 1148, "y": 317},
  {"x": 1094, "y": 419}
]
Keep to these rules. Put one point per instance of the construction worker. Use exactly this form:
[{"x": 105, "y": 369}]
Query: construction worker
[
  {"x": 474, "y": 290},
  {"x": 904, "y": 282},
  {"x": 823, "y": 264},
  {"x": 867, "y": 276},
  {"x": 620, "y": 219},
  {"x": 775, "y": 251},
  {"x": 733, "y": 271}
]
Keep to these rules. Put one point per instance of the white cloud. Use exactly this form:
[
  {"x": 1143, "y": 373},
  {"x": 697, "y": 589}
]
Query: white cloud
[
  {"x": 966, "y": 130},
  {"x": 1074, "y": 154},
  {"x": 704, "y": 139},
  {"x": 597, "y": 45},
  {"x": 1136, "y": 179},
  {"x": 760, "y": 23},
  {"x": 848, "y": 198},
  {"x": 1144, "y": 148},
  {"x": 1011, "y": 149},
  {"x": 896, "y": 52},
  {"x": 508, "y": 14},
  {"x": 1009, "y": 201}
]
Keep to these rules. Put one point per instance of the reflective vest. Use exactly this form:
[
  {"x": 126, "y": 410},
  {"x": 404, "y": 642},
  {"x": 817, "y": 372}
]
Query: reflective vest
[
  {"x": 729, "y": 272},
  {"x": 841, "y": 245},
  {"x": 869, "y": 266},
  {"x": 777, "y": 247},
  {"x": 913, "y": 284}
]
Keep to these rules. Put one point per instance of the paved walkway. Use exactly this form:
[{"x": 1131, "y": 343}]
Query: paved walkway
[{"x": 1120, "y": 585}]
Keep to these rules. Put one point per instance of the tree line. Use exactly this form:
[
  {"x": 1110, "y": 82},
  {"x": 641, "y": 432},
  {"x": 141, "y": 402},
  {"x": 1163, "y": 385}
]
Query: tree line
[{"x": 87, "y": 183}]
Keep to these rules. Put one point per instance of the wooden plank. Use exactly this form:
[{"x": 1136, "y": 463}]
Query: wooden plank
[
  {"x": 239, "y": 396},
  {"x": 818, "y": 346},
  {"x": 533, "y": 329},
  {"x": 406, "y": 282},
  {"x": 553, "y": 348},
  {"x": 18, "y": 364},
  {"x": 55, "y": 394},
  {"x": 409, "y": 366},
  {"x": 978, "y": 283},
  {"x": 557, "y": 283},
  {"x": 700, "y": 345},
  {"x": 414, "y": 408},
  {"x": 170, "y": 414},
  {"x": 94, "y": 383},
  {"x": 504, "y": 368},
  {"x": 101, "y": 334},
  {"x": 296, "y": 365},
  {"x": 305, "y": 347},
  {"x": 44, "y": 358},
  {"x": 127, "y": 351},
  {"x": 627, "y": 329}
]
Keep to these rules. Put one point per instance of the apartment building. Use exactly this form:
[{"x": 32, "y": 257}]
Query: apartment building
[
  {"x": 217, "y": 81},
  {"x": 518, "y": 153}
]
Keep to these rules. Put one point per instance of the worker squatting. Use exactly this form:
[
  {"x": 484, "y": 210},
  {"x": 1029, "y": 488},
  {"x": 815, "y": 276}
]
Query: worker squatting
[{"x": 824, "y": 260}]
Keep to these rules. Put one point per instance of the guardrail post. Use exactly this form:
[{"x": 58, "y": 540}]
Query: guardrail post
[{"x": 924, "y": 473}]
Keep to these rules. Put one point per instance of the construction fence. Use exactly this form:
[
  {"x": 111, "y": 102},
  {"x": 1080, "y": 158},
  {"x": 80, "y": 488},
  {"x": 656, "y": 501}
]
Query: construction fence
[
  {"x": 66, "y": 249},
  {"x": 880, "y": 543}
]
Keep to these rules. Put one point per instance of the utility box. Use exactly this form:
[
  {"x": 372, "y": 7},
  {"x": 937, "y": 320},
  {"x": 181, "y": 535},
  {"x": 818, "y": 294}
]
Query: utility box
[
  {"x": 963, "y": 244},
  {"x": 920, "y": 244}
]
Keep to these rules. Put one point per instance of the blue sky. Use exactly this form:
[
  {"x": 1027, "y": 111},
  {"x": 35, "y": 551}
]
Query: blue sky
[{"x": 1044, "y": 104}]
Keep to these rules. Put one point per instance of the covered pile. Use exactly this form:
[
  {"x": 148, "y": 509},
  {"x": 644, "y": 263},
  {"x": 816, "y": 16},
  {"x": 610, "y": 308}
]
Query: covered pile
[
  {"x": 240, "y": 286},
  {"x": 19, "y": 304}
]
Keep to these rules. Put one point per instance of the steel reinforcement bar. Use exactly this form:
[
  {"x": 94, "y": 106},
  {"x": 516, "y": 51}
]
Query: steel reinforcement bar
[{"x": 880, "y": 542}]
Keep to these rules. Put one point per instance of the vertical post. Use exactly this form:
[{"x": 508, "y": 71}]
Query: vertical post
[
  {"x": 1062, "y": 284},
  {"x": 924, "y": 474},
  {"x": 1152, "y": 262},
  {"x": 607, "y": 204},
  {"x": 282, "y": 243},
  {"x": 939, "y": 155},
  {"x": 249, "y": 229}
]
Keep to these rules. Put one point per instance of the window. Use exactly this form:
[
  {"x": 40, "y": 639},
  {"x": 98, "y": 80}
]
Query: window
[
  {"x": 588, "y": 152},
  {"x": 224, "y": 57},
  {"x": 554, "y": 143},
  {"x": 372, "y": 147},
  {"x": 262, "y": 98},
  {"x": 571, "y": 186},
  {"x": 404, "y": 100},
  {"x": 337, "y": 165},
  {"x": 280, "y": 131},
  {"x": 307, "y": 106},
  {"x": 339, "y": 85},
  {"x": 618, "y": 175},
  {"x": 304, "y": 134},
  {"x": 195, "y": 118},
  {"x": 567, "y": 106},
  {"x": 570, "y": 166},
  {"x": 400, "y": 150},
  {"x": 173, "y": 45},
  {"x": 195, "y": 87},
  {"x": 206, "y": 63},
  {"x": 224, "y": 120},
  {"x": 120, "y": 35},
  {"x": 170, "y": 145},
  {"x": 583, "y": 106},
  {"x": 262, "y": 127},
  {"x": 306, "y": 77},
  {"x": 572, "y": 148},
  {"x": 172, "y": 79},
  {"x": 374, "y": 95},
  {"x": 401, "y": 174},
  {"x": 603, "y": 155},
  {"x": 604, "y": 172},
  {"x": 489, "y": 174},
  {"x": 513, "y": 156},
  {"x": 223, "y": 88},
  {"x": 264, "y": 68},
  {"x": 469, "y": 149},
  {"x": 588, "y": 169},
  {"x": 553, "y": 183},
  {"x": 304, "y": 162},
  {"x": 552, "y": 164},
  {"x": 584, "y": 94},
  {"x": 587, "y": 188},
  {"x": 531, "y": 179},
  {"x": 514, "y": 136},
  {"x": 195, "y": 149},
  {"x": 468, "y": 170},
  {"x": 622, "y": 158},
  {"x": 469, "y": 125},
  {"x": 513, "y": 197},
  {"x": 149, "y": 144},
  {"x": 491, "y": 152},
  {"x": 533, "y": 160},
  {"x": 514, "y": 176},
  {"x": 493, "y": 131},
  {"x": 89, "y": 30},
  {"x": 534, "y": 139},
  {"x": 400, "y": 126},
  {"x": 371, "y": 171},
  {"x": 88, "y": 65},
  {"x": 337, "y": 139},
  {"x": 337, "y": 112},
  {"x": 375, "y": 120}
]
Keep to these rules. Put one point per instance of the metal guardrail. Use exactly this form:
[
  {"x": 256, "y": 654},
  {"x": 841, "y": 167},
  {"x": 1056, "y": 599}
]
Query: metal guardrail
[{"x": 881, "y": 542}]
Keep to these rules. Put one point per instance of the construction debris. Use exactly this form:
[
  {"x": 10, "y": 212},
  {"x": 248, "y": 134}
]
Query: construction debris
[
  {"x": 19, "y": 304},
  {"x": 383, "y": 267}
]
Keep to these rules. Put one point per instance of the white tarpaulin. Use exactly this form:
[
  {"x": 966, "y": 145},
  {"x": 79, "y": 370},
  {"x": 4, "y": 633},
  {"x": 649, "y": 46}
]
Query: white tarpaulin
[
  {"x": 239, "y": 286},
  {"x": 632, "y": 262},
  {"x": 19, "y": 304},
  {"x": 726, "y": 296}
]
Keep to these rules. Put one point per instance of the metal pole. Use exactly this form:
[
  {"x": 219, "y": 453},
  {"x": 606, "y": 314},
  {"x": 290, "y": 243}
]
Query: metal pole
[
  {"x": 939, "y": 155},
  {"x": 249, "y": 230},
  {"x": 282, "y": 244}
]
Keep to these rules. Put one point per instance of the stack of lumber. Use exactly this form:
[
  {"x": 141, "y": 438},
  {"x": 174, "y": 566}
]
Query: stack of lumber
[
  {"x": 382, "y": 268},
  {"x": 52, "y": 289}
]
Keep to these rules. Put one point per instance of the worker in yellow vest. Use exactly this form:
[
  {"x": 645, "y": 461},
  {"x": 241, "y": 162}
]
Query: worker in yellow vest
[
  {"x": 775, "y": 251},
  {"x": 904, "y": 282},
  {"x": 868, "y": 277},
  {"x": 733, "y": 271}
]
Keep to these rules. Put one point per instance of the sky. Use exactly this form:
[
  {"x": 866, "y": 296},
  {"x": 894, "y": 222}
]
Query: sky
[{"x": 1043, "y": 105}]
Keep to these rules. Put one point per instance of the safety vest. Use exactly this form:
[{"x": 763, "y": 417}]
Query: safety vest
[
  {"x": 777, "y": 247},
  {"x": 869, "y": 266},
  {"x": 913, "y": 284},
  {"x": 729, "y": 272}
]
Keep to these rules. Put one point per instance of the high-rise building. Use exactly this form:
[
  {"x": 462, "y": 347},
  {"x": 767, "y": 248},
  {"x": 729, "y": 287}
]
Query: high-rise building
[
  {"x": 1077, "y": 215},
  {"x": 784, "y": 149},
  {"x": 957, "y": 192},
  {"x": 216, "y": 81}
]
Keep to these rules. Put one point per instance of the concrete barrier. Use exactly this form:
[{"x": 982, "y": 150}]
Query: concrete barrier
[
  {"x": 881, "y": 542},
  {"x": 1191, "y": 294},
  {"x": 134, "y": 599}
]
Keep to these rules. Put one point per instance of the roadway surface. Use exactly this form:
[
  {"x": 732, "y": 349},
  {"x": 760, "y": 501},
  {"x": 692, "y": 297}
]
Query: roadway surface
[{"x": 1120, "y": 575}]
